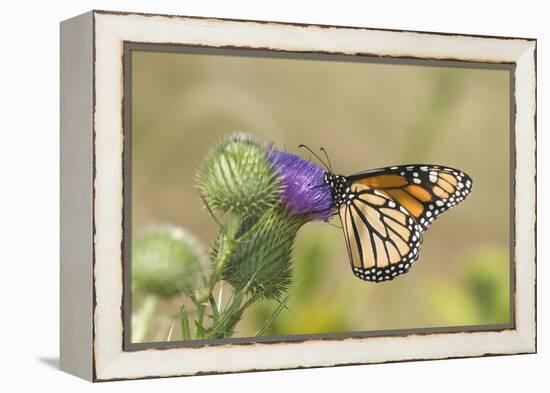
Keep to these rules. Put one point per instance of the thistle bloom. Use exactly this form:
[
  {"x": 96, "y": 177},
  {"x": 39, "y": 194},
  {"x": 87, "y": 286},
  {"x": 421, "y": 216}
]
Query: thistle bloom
[
  {"x": 272, "y": 193},
  {"x": 303, "y": 189}
]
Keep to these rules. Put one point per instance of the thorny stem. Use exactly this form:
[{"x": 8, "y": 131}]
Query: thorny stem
[
  {"x": 226, "y": 249},
  {"x": 225, "y": 324},
  {"x": 185, "y": 330}
]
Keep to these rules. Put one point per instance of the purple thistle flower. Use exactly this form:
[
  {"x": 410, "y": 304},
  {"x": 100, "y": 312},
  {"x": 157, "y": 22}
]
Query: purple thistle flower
[{"x": 303, "y": 185}]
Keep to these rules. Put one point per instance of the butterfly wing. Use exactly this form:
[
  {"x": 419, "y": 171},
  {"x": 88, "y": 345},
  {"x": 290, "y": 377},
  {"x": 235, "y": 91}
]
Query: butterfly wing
[
  {"x": 382, "y": 238},
  {"x": 424, "y": 190}
]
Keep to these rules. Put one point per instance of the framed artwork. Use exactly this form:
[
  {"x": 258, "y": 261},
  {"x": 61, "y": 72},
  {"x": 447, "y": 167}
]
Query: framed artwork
[{"x": 246, "y": 195}]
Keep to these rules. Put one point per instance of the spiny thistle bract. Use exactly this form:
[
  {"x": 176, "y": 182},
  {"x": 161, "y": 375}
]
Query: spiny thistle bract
[
  {"x": 261, "y": 261},
  {"x": 238, "y": 178},
  {"x": 166, "y": 261}
]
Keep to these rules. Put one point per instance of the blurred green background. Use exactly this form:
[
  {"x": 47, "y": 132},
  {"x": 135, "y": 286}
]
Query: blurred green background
[{"x": 366, "y": 115}]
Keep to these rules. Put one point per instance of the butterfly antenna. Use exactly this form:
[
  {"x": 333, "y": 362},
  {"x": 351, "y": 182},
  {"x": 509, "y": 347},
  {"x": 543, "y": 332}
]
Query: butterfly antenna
[
  {"x": 328, "y": 159},
  {"x": 334, "y": 225},
  {"x": 316, "y": 156}
]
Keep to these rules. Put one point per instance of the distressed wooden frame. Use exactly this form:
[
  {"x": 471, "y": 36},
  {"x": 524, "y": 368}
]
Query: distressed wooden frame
[{"x": 92, "y": 190}]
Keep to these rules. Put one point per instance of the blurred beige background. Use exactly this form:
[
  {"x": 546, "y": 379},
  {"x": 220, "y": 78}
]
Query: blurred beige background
[{"x": 366, "y": 115}]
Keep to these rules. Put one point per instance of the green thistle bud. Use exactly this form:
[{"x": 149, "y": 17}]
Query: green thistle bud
[
  {"x": 261, "y": 261},
  {"x": 238, "y": 178},
  {"x": 166, "y": 261}
]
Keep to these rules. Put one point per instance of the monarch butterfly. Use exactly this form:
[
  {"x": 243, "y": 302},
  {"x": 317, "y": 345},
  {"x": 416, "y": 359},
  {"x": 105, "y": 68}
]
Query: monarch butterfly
[{"x": 385, "y": 211}]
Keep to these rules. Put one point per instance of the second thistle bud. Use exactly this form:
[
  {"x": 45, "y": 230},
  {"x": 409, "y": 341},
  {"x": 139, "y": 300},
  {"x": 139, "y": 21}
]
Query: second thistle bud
[{"x": 166, "y": 261}]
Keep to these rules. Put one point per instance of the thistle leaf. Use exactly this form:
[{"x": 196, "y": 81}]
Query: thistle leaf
[{"x": 269, "y": 321}]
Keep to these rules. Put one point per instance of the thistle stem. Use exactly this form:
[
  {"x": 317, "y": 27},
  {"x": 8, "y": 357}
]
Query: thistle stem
[
  {"x": 144, "y": 319},
  {"x": 226, "y": 249}
]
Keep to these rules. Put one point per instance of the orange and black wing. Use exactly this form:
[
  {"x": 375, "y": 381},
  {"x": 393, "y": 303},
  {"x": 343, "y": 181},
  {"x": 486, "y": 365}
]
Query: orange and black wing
[
  {"x": 424, "y": 190},
  {"x": 382, "y": 238}
]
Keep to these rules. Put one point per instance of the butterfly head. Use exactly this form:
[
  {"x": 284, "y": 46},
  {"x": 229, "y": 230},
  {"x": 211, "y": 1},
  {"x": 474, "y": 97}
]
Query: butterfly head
[{"x": 339, "y": 187}]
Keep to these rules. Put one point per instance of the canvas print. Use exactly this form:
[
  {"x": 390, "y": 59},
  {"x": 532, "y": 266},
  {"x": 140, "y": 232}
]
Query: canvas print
[{"x": 280, "y": 196}]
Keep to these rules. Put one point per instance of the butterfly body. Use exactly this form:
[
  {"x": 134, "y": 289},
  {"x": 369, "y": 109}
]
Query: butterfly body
[
  {"x": 385, "y": 211},
  {"x": 340, "y": 188}
]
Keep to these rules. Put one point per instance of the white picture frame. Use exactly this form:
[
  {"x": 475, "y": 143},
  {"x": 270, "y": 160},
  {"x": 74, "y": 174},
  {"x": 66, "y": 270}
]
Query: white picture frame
[{"x": 92, "y": 195}]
